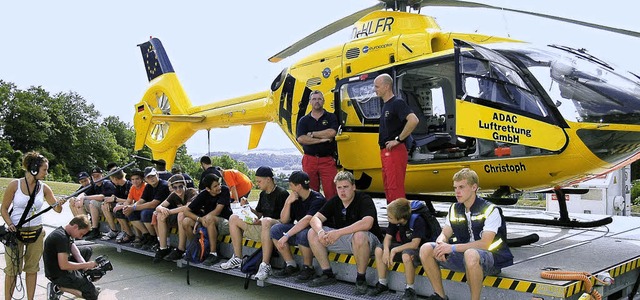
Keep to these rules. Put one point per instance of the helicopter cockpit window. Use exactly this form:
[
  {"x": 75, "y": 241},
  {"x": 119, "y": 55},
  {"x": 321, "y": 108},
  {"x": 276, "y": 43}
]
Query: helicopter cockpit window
[
  {"x": 488, "y": 76},
  {"x": 363, "y": 96},
  {"x": 582, "y": 87}
]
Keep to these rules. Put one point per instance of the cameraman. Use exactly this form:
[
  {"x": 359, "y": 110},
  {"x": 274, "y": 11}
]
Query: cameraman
[{"x": 64, "y": 261}]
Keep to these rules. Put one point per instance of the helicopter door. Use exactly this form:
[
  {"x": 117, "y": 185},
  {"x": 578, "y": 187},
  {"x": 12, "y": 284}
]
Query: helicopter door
[
  {"x": 497, "y": 104},
  {"x": 358, "y": 110}
]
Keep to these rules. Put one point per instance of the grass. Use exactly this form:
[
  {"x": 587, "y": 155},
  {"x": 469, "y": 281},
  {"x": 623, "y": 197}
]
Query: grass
[
  {"x": 65, "y": 189},
  {"x": 59, "y": 188}
]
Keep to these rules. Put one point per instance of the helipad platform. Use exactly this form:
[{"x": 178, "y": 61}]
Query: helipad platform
[{"x": 614, "y": 248}]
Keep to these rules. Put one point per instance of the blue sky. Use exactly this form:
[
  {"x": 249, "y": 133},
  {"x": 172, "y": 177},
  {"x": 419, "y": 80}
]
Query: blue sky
[{"x": 220, "y": 50}]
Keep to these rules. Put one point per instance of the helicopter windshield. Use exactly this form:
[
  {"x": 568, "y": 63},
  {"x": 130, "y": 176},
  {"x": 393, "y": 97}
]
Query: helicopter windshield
[{"x": 582, "y": 87}]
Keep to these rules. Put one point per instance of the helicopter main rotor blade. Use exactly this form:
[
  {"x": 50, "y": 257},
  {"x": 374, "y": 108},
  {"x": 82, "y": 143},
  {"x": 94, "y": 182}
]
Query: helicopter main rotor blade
[
  {"x": 454, "y": 3},
  {"x": 324, "y": 32}
]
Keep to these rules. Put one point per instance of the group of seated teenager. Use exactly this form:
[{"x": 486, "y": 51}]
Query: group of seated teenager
[
  {"x": 347, "y": 224},
  {"x": 302, "y": 217}
]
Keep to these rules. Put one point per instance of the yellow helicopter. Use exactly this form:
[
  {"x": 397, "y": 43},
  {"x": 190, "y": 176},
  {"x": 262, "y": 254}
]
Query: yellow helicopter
[{"x": 525, "y": 118}]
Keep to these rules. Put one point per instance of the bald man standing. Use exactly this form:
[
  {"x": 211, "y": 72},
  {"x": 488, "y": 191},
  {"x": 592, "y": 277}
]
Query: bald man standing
[{"x": 397, "y": 121}]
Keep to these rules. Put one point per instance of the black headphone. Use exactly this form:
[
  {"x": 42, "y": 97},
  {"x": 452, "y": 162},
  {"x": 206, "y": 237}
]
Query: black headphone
[{"x": 34, "y": 167}]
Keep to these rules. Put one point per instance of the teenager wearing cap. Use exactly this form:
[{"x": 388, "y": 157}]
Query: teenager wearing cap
[
  {"x": 123, "y": 186},
  {"x": 169, "y": 213},
  {"x": 300, "y": 206},
  {"x": 156, "y": 191},
  {"x": 268, "y": 210},
  {"x": 93, "y": 199},
  {"x": 177, "y": 169},
  {"x": 75, "y": 204}
]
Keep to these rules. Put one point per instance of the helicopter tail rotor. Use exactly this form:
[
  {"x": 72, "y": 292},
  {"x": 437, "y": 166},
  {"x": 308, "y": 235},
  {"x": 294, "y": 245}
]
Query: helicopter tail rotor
[{"x": 162, "y": 120}]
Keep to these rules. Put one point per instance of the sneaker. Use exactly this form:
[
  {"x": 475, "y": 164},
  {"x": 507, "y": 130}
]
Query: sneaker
[
  {"x": 125, "y": 238},
  {"x": 410, "y": 294},
  {"x": 152, "y": 240},
  {"x": 323, "y": 280},
  {"x": 286, "y": 272},
  {"x": 174, "y": 255},
  {"x": 110, "y": 235},
  {"x": 307, "y": 273},
  {"x": 120, "y": 236},
  {"x": 232, "y": 263},
  {"x": 92, "y": 235},
  {"x": 378, "y": 289},
  {"x": 211, "y": 260},
  {"x": 138, "y": 242},
  {"x": 53, "y": 292},
  {"x": 435, "y": 296},
  {"x": 263, "y": 271},
  {"x": 361, "y": 288},
  {"x": 160, "y": 254}
]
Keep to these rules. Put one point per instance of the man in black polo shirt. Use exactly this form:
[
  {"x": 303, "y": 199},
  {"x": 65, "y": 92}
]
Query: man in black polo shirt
[
  {"x": 64, "y": 261},
  {"x": 316, "y": 132},
  {"x": 397, "y": 121}
]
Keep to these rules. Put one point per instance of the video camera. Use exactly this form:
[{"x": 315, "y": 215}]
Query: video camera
[
  {"x": 7, "y": 237},
  {"x": 100, "y": 270}
]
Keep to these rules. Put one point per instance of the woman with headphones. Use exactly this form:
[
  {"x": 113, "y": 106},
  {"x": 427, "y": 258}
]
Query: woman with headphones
[{"x": 26, "y": 196}]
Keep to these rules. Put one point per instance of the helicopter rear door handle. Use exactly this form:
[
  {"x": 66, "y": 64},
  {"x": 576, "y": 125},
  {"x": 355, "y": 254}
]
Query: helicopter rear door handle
[{"x": 342, "y": 137}]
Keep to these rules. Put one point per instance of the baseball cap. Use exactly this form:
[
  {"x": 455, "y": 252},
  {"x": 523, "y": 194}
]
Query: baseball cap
[
  {"x": 96, "y": 170},
  {"x": 299, "y": 177},
  {"x": 177, "y": 178},
  {"x": 82, "y": 175},
  {"x": 150, "y": 171},
  {"x": 264, "y": 171}
]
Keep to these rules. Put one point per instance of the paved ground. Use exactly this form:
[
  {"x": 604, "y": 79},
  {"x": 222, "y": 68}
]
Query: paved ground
[{"x": 136, "y": 277}]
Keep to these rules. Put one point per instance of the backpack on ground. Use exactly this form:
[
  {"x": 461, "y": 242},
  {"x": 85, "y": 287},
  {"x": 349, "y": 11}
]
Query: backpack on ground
[
  {"x": 197, "y": 249},
  {"x": 250, "y": 265},
  {"x": 420, "y": 209}
]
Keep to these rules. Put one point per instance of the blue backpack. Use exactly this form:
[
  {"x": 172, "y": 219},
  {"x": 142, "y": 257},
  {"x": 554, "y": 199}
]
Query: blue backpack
[
  {"x": 199, "y": 247},
  {"x": 420, "y": 209},
  {"x": 250, "y": 265}
]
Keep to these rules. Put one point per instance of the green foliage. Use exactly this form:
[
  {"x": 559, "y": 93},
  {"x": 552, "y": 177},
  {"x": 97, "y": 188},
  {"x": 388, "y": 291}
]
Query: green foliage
[{"x": 635, "y": 192}]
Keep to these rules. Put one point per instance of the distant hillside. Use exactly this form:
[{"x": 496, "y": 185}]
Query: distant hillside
[{"x": 289, "y": 159}]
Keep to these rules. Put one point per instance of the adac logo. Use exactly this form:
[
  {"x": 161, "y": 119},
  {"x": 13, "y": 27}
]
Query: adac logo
[
  {"x": 326, "y": 72},
  {"x": 365, "y": 49},
  {"x": 325, "y": 122}
]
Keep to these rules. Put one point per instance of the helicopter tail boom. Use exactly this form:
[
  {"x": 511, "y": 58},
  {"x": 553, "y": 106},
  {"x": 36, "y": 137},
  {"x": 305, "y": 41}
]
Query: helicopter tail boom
[{"x": 165, "y": 117}]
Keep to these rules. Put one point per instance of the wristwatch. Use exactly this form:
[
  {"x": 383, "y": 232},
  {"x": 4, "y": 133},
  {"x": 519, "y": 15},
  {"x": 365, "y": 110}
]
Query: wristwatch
[{"x": 398, "y": 139}]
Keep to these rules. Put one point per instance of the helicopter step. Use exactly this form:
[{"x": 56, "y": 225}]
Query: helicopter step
[{"x": 611, "y": 248}]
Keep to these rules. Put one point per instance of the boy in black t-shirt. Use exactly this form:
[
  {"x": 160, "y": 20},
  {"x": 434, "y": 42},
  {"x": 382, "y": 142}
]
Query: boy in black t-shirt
[
  {"x": 411, "y": 236},
  {"x": 268, "y": 210},
  {"x": 211, "y": 208},
  {"x": 354, "y": 230},
  {"x": 168, "y": 214},
  {"x": 300, "y": 206}
]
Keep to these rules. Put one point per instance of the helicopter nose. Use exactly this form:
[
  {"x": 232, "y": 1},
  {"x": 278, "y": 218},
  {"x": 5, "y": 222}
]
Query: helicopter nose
[{"x": 612, "y": 146}]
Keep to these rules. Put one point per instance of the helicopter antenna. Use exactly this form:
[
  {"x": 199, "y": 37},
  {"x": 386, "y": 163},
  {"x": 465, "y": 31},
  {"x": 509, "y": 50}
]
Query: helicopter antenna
[{"x": 209, "y": 141}]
